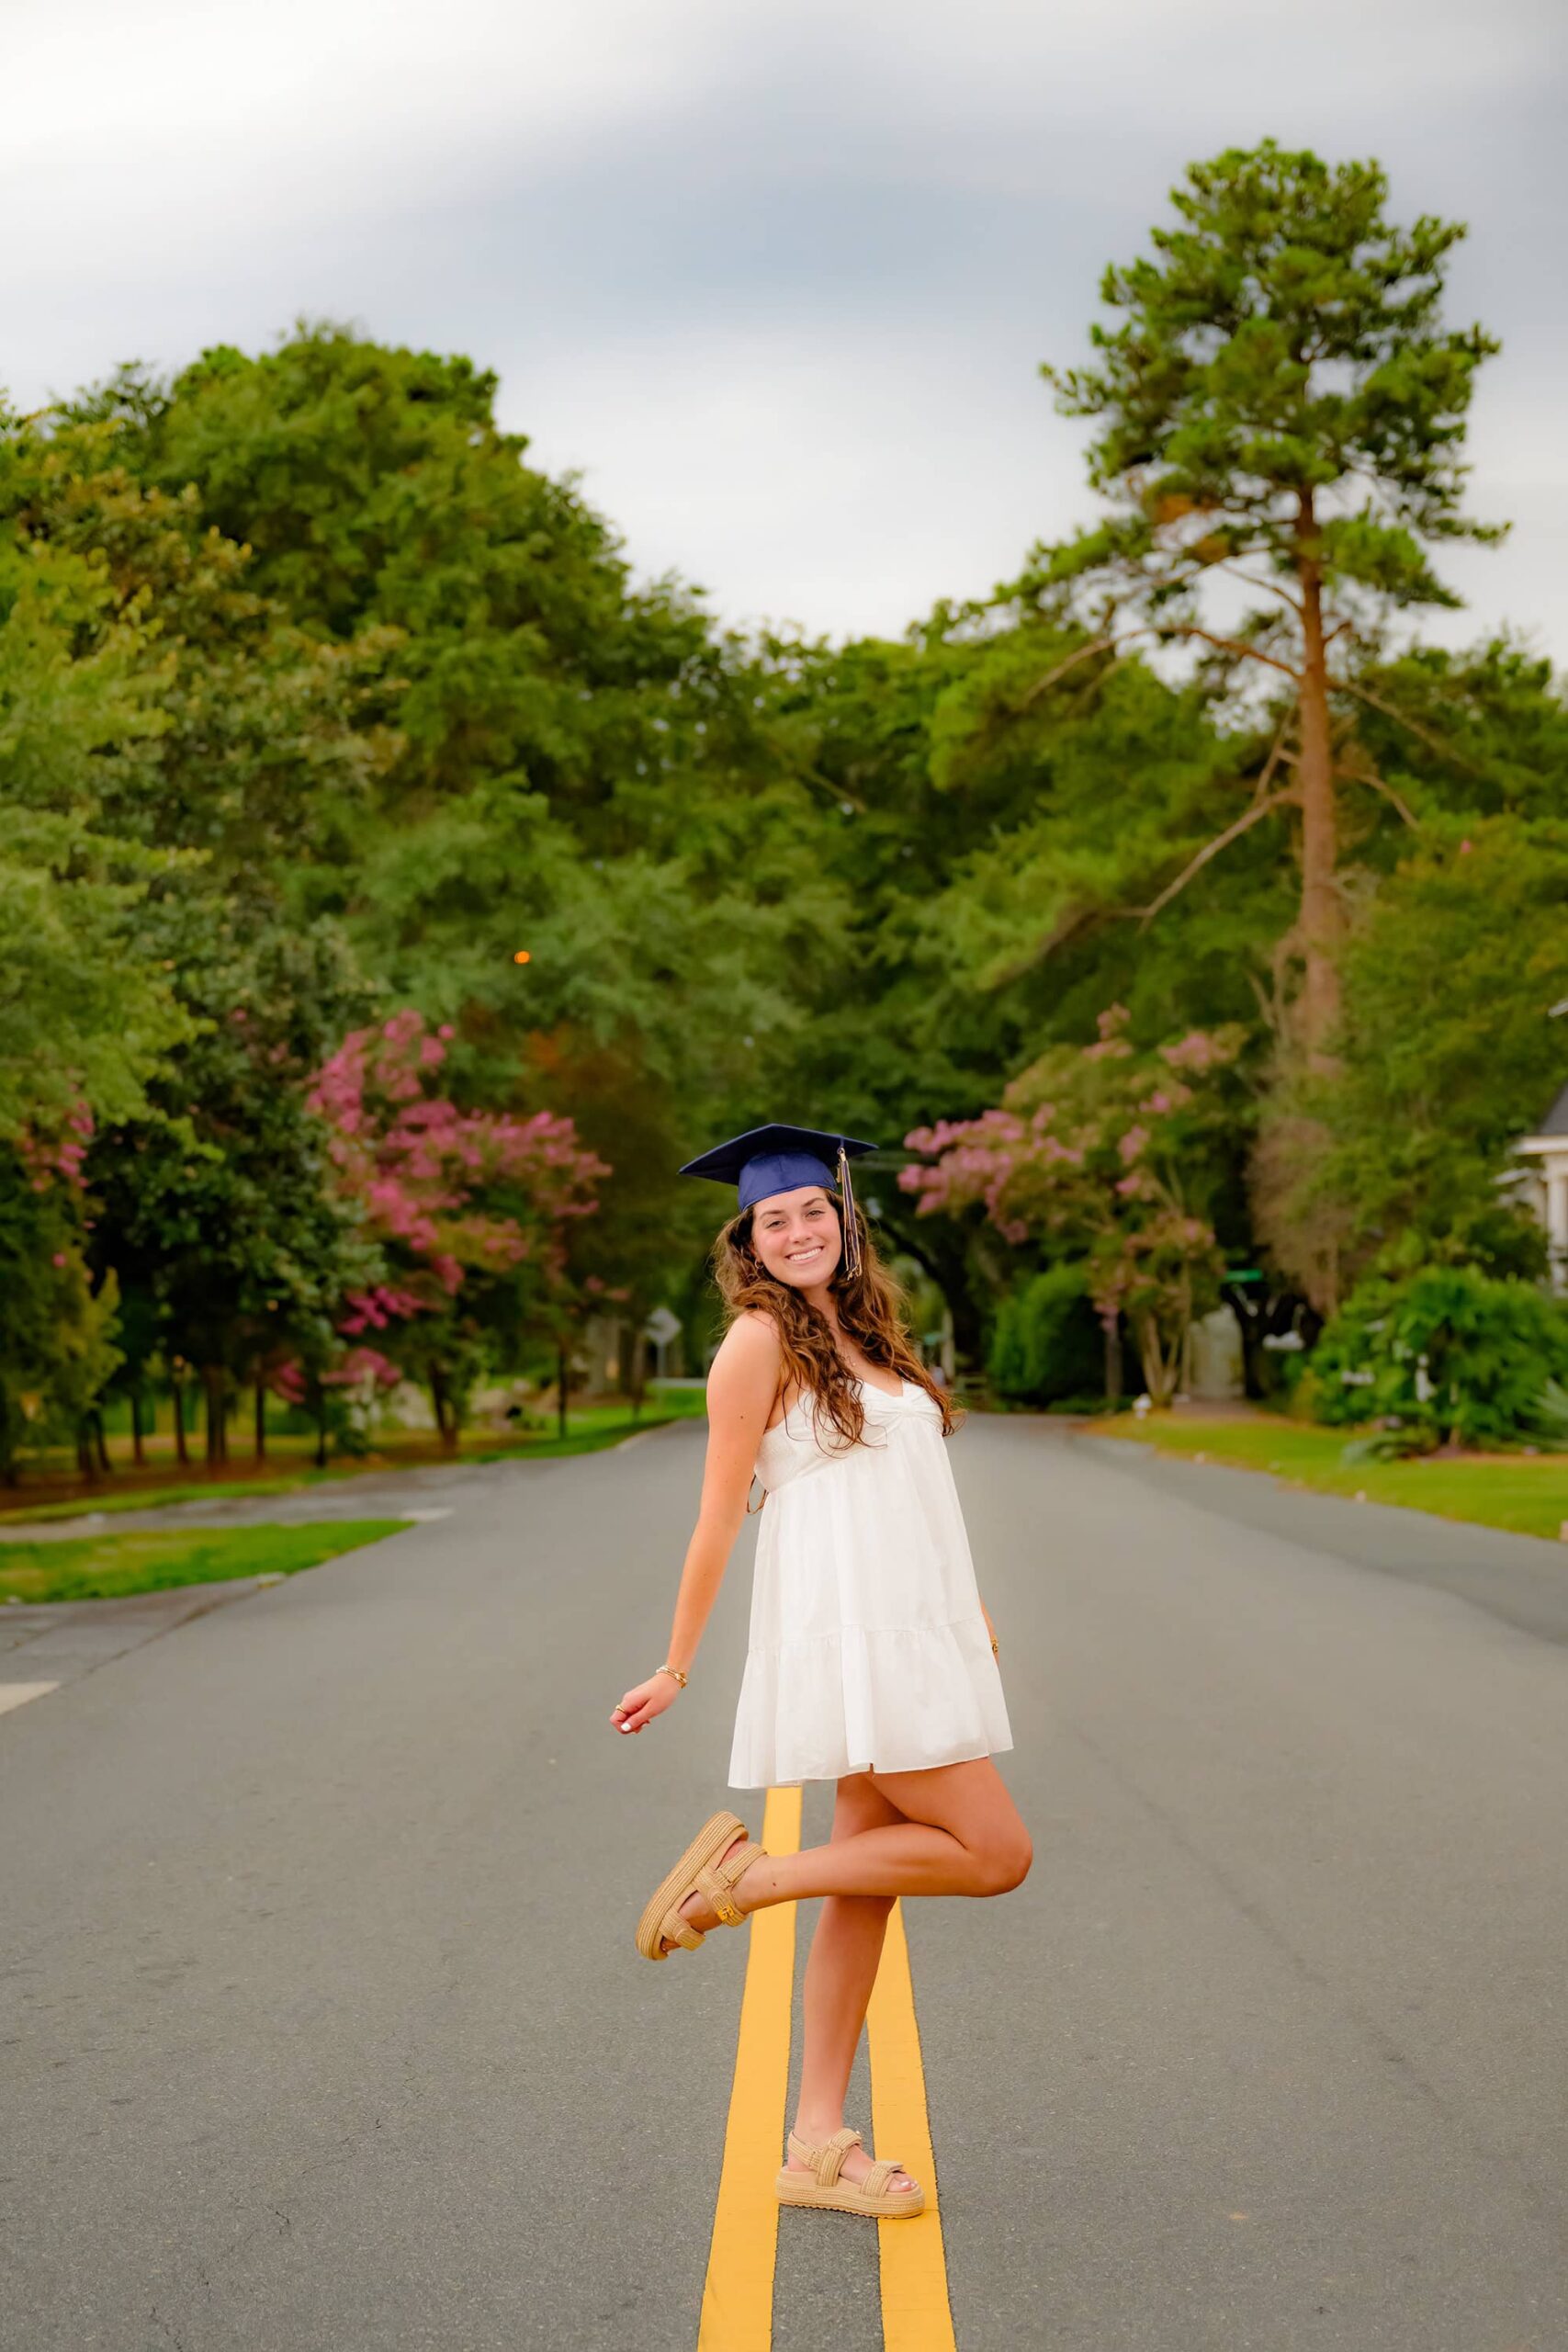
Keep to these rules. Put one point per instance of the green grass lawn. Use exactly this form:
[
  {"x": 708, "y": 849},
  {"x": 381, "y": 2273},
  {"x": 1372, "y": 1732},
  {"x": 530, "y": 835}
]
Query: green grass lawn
[
  {"x": 102, "y": 1568},
  {"x": 1527, "y": 1494}
]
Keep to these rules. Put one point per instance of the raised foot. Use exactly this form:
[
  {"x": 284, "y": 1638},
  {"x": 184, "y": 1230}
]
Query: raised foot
[{"x": 700, "y": 1912}]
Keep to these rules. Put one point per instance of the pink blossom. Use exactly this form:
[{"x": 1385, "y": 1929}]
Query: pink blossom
[
  {"x": 1195, "y": 1051},
  {"x": 59, "y": 1155},
  {"x": 376, "y": 1310}
]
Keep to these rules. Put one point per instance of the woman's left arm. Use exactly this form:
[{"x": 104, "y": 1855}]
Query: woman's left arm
[{"x": 740, "y": 1391}]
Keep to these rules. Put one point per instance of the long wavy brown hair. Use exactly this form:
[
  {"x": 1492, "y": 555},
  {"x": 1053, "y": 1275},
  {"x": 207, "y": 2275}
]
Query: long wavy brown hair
[{"x": 871, "y": 1306}]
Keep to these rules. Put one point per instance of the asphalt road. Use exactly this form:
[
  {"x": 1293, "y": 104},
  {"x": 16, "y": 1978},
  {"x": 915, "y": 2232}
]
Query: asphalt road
[{"x": 322, "y": 2025}]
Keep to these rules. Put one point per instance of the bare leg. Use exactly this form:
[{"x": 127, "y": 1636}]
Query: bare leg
[
  {"x": 839, "y": 1975},
  {"x": 958, "y": 1832}
]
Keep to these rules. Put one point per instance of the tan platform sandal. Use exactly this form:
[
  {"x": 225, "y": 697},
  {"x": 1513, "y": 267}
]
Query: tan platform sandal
[
  {"x": 826, "y": 2187},
  {"x": 698, "y": 1872}
]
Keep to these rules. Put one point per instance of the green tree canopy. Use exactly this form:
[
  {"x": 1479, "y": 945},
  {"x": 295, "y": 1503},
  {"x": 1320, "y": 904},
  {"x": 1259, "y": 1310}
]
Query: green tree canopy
[
  {"x": 1452, "y": 971},
  {"x": 84, "y": 1012}
]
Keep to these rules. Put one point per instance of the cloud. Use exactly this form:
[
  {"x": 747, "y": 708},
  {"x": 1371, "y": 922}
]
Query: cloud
[
  {"x": 840, "y": 489},
  {"x": 189, "y": 127},
  {"x": 778, "y": 282}
]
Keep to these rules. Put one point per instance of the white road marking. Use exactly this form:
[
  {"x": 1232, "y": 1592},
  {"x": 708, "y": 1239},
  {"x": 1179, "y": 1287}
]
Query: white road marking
[{"x": 17, "y": 1694}]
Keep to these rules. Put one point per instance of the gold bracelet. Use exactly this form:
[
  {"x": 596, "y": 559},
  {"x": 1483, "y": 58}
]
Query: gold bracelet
[
  {"x": 668, "y": 1668},
  {"x": 995, "y": 1651}
]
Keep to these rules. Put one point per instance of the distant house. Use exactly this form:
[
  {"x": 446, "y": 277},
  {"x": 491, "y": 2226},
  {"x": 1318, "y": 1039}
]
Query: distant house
[{"x": 1542, "y": 1181}]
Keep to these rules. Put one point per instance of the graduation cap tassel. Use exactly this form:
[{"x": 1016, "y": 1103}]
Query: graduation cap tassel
[{"x": 852, "y": 1223}]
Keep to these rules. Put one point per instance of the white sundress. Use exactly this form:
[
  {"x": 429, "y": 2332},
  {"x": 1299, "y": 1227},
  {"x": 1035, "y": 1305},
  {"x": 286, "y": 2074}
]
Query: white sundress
[{"x": 868, "y": 1646}]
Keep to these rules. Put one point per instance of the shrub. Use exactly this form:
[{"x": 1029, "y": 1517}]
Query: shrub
[
  {"x": 1447, "y": 1352},
  {"x": 1046, "y": 1343}
]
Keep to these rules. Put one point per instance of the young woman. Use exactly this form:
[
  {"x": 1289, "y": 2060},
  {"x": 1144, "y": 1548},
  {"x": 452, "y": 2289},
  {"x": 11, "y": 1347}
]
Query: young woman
[{"x": 873, "y": 1660}]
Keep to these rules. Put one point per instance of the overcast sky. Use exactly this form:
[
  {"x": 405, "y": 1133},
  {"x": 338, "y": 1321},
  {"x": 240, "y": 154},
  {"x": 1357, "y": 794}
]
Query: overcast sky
[{"x": 776, "y": 281}]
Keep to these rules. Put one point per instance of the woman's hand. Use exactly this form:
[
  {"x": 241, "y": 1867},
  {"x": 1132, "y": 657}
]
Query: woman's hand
[
  {"x": 648, "y": 1699},
  {"x": 989, "y": 1627}
]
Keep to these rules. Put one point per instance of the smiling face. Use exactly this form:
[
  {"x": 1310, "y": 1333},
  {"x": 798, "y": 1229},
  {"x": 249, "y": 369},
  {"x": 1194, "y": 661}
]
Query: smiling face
[{"x": 796, "y": 1236}]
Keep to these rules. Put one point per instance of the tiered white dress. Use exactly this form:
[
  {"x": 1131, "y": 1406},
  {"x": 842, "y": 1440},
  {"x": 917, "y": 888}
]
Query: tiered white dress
[{"x": 868, "y": 1645}]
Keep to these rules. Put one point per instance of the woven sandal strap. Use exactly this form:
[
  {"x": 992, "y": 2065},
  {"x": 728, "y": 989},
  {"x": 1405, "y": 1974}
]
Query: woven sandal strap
[
  {"x": 678, "y": 1928},
  {"x": 741, "y": 1859},
  {"x": 830, "y": 2155},
  {"x": 722, "y": 1896},
  {"x": 881, "y": 2173},
  {"x": 714, "y": 1894}
]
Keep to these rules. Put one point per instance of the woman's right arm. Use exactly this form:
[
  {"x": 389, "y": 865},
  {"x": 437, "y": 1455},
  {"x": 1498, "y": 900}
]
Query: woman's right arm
[{"x": 743, "y": 1385}]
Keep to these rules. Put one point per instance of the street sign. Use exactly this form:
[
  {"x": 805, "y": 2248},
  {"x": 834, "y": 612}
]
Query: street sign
[{"x": 662, "y": 1326}]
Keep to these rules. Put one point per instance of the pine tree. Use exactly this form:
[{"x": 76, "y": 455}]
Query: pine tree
[{"x": 1280, "y": 405}]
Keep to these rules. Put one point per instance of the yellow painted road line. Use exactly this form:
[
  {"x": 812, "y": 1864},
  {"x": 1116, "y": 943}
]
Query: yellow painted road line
[
  {"x": 916, "y": 2314},
  {"x": 737, "y": 2294}
]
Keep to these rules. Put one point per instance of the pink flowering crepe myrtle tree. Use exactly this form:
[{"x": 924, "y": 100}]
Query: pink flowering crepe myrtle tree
[
  {"x": 1094, "y": 1148},
  {"x": 465, "y": 1204}
]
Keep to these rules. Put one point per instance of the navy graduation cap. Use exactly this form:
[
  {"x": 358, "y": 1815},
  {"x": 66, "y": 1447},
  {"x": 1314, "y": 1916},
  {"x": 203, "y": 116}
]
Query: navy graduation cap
[{"x": 776, "y": 1159}]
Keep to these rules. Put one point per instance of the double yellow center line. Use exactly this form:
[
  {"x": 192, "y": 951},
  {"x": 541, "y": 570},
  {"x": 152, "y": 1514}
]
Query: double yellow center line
[{"x": 737, "y": 2294}]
